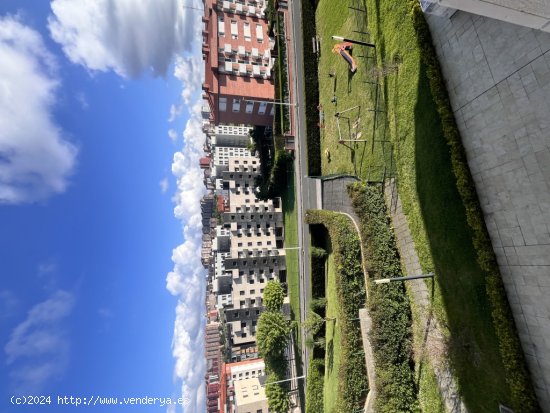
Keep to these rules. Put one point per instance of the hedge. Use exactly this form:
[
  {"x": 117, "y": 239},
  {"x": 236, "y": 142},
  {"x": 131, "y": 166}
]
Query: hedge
[
  {"x": 350, "y": 289},
  {"x": 521, "y": 388},
  {"x": 315, "y": 385},
  {"x": 313, "y": 135},
  {"x": 388, "y": 305}
]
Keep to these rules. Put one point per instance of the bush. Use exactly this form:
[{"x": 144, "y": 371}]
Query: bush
[
  {"x": 311, "y": 90},
  {"x": 314, "y": 387},
  {"x": 521, "y": 388},
  {"x": 389, "y": 306},
  {"x": 350, "y": 289}
]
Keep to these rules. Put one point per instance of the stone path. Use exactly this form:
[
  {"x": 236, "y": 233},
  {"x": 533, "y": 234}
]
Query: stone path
[{"x": 433, "y": 339}]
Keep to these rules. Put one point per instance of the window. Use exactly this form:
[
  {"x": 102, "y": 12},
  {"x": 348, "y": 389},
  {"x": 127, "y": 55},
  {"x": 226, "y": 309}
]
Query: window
[
  {"x": 259, "y": 33},
  {"x": 236, "y": 105},
  {"x": 241, "y": 293},
  {"x": 247, "y": 36},
  {"x": 252, "y": 291},
  {"x": 272, "y": 112},
  {"x": 221, "y": 26},
  {"x": 223, "y": 104},
  {"x": 263, "y": 106},
  {"x": 249, "y": 106},
  {"x": 234, "y": 29}
]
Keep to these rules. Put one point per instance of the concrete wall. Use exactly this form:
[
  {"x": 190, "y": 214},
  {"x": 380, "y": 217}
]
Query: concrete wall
[{"x": 498, "y": 78}]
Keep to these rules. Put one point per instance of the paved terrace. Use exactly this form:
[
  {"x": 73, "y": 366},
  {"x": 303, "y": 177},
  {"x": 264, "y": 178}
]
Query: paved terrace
[{"x": 498, "y": 78}]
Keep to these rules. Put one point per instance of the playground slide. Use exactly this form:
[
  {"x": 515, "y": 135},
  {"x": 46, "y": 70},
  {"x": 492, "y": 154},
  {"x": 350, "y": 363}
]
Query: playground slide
[
  {"x": 349, "y": 59},
  {"x": 343, "y": 48}
]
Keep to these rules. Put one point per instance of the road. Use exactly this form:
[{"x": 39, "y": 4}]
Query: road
[{"x": 300, "y": 165}]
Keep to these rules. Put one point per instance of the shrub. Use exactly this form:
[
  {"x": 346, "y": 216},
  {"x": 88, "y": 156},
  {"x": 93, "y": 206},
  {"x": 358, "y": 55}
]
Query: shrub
[
  {"x": 314, "y": 387},
  {"x": 389, "y": 307},
  {"x": 313, "y": 135}
]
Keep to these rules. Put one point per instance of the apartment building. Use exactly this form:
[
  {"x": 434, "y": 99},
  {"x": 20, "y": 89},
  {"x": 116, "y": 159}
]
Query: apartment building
[
  {"x": 249, "y": 396},
  {"x": 236, "y": 49},
  {"x": 228, "y": 135},
  {"x": 232, "y": 399},
  {"x": 256, "y": 253}
]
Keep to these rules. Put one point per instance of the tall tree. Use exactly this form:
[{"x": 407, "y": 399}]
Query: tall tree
[
  {"x": 272, "y": 334},
  {"x": 274, "y": 296}
]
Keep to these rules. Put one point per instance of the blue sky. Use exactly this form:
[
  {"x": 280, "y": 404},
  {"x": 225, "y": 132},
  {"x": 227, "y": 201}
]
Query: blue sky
[{"x": 99, "y": 189}]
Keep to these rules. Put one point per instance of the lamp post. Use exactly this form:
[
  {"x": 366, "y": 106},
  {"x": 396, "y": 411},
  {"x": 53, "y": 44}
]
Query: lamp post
[{"x": 411, "y": 277}]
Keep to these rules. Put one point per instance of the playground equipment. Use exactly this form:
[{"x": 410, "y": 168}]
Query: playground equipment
[
  {"x": 355, "y": 135},
  {"x": 343, "y": 48}
]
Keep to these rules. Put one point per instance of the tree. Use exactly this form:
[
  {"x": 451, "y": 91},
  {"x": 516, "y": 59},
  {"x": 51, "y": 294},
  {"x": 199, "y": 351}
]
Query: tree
[
  {"x": 316, "y": 342},
  {"x": 318, "y": 305},
  {"x": 272, "y": 334},
  {"x": 277, "y": 394},
  {"x": 274, "y": 296},
  {"x": 318, "y": 252},
  {"x": 314, "y": 322}
]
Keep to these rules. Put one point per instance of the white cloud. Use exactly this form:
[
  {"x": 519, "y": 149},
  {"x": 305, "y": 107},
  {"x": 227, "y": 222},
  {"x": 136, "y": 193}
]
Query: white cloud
[
  {"x": 127, "y": 36},
  {"x": 35, "y": 159},
  {"x": 38, "y": 348},
  {"x": 188, "y": 70},
  {"x": 175, "y": 112},
  {"x": 164, "y": 185},
  {"x": 188, "y": 279},
  {"x": 173, "y": 135}
]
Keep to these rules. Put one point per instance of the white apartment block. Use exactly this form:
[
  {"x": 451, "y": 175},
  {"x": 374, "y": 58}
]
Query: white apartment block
[
  {"x": 230, "y": 135},
  {"x": 249, "y": 396},
  {"x": 222, "y": 154},
  {"x": 256, "y": 252},
  {"x": 245, "y": 370}
]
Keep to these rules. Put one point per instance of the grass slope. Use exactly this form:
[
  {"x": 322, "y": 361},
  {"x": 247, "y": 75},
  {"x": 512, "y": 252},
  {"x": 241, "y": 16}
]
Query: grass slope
[{"x": 427, "y": 185}]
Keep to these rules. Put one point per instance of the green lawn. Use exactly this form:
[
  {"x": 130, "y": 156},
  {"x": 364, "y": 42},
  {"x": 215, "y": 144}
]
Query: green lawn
[
  {"x": 291, "y": 241},
  {"x": 292, "y": 264},
  {"x": 332, "y": 354},
  {"x": 427, "y": 186}
]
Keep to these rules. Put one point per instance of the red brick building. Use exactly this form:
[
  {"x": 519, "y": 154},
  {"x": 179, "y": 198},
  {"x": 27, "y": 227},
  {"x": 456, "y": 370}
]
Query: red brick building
[{"x": 236, "y": 50}]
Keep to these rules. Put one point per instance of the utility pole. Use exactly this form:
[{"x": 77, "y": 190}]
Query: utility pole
[{"x": 411, "y": 277}]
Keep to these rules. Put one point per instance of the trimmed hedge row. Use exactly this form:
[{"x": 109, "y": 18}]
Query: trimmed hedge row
[
  {"x": 350, "y": 289},
  {"x": 518, "y": 379},
  {"x": 389, "y": 305},
  {"x": 313, "y": 134},
  {"x": 315, "y": 385}
]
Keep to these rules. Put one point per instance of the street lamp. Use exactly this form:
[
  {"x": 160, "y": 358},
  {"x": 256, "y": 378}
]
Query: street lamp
[{"x": 411, "y": 277}]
